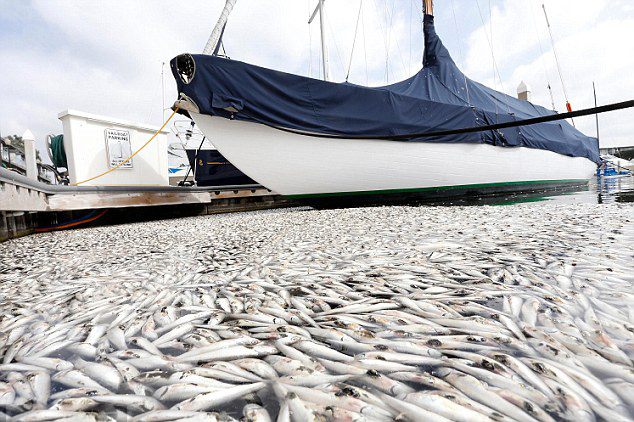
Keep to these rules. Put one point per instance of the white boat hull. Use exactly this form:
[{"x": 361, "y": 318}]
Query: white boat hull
[{"x": 297, "y": 165}]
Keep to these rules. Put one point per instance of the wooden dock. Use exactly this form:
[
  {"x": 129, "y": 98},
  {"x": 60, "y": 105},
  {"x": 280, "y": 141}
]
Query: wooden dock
[{"x": 26, "y": 205}]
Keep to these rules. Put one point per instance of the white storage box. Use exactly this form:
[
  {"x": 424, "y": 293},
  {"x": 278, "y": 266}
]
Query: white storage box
[{"x": 95, "y": 144}]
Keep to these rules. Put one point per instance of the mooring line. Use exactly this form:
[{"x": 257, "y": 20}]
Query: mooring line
[{"x": 515, "y": 123}]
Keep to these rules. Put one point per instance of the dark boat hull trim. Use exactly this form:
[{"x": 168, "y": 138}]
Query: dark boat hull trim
[{"x": 439, "y": 193}]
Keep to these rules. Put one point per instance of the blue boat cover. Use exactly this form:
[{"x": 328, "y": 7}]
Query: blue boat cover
[{"x": 439, "y": 97}]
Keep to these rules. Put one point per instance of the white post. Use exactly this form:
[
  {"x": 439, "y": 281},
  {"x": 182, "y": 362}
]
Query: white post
[
  {"x": 29, "y": 155},
  {"x": 324, "y": 46},
  {"x": 215, "y": 34}
]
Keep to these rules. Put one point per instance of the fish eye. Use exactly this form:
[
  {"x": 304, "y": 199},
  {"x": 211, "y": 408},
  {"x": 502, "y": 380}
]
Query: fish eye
[{"x": 487, "y": 365}]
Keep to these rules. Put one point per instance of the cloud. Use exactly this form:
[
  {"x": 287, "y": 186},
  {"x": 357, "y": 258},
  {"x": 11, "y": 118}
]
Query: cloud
[
  {"x": 594, "y": 40},
  {"x": 105, "y": 57}
]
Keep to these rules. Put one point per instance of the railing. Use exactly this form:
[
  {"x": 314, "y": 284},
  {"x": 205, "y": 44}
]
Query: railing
[{"x": 12, "y": 158}]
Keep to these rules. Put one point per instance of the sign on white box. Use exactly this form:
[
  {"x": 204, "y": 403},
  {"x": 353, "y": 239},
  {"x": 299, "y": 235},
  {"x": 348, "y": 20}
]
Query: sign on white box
[
  {"x": 119, "y": 148},
  {"x": 95, "y": 144}
]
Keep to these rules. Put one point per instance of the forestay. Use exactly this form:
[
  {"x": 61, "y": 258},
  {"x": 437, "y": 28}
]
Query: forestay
[{"x": 439, "y": 97}]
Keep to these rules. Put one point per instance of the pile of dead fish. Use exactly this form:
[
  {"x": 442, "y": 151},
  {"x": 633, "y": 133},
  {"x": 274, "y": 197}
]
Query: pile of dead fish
[{"x": 518, "y": 313}]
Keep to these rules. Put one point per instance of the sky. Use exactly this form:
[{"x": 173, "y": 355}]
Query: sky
[{"x": 106, "y": 57}]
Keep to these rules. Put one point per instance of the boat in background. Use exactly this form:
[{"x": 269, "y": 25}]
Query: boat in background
[
  {"x": 615, "y": 166},
  {"x": 312, "y": 139}
]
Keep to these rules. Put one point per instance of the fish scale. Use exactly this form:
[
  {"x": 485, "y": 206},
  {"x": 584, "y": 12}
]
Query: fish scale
[{"x": 312, "y": 312}]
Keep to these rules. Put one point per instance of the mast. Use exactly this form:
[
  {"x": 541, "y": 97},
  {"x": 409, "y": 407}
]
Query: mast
[
  {"x": 324, "y": 46},
  {"x": 216, "y": 33},
  {"x": 428, "y": 7}
]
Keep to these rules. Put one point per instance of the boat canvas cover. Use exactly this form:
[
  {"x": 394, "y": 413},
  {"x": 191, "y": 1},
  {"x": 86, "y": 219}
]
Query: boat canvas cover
[{"x": 437, "y": 98}]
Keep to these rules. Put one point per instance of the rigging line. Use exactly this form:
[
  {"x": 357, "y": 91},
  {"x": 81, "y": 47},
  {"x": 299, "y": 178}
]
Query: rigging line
[
  {"x": 398, "y": 46},
  {"x": 321, "y": 68},
  {"x": 542, "y": 54},
  {"x": 594, "y": 89},
  {"x": 492, "y": 50},
  {"x": 365, "y": 50},
  {"x": 409, "y": 63},
  {"x": 492, "y": 55},
  {"x": 354, "y": 41},
  {"x": 334, "y": 40},
  {"x": 400, "y": 54},
  {"x": 405, "y": 137},
  {"x": 388, "y": 33},
  {"x": 561, "y": 76},
  {"x": 310, "y": 43},
  {"x": 491, "y": 35},
  {"x": 378, "y": 14},
  {"x": 466, "y": 84},
  {"x": 486, "y": 34},
  {"x": 421, "y": 36}
]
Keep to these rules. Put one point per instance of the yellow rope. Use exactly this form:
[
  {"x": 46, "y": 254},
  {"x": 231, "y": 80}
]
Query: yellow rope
[{"x": 130, "y": 157}]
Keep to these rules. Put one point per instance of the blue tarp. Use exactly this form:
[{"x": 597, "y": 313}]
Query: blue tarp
[{"x": 439, "y": 97}]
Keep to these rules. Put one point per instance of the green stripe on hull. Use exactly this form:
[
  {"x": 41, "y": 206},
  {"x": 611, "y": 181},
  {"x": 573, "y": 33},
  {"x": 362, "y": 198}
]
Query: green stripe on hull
[{"x": 439, "y": 188}]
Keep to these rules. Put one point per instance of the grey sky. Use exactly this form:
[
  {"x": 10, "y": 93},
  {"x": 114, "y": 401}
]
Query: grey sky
[{"x": 105, "y": 57}]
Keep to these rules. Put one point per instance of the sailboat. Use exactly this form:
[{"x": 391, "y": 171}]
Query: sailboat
[{"x": 315, "y": 139}]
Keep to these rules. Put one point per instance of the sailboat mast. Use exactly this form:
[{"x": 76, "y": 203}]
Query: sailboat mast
[
  {"x": 324, "y": 46},
  {"x": 428, "y": 7},
  {"x": 222, "y": 21}
]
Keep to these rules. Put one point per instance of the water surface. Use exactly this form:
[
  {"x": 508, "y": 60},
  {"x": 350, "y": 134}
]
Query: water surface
[{"x": 600, "y": 190}]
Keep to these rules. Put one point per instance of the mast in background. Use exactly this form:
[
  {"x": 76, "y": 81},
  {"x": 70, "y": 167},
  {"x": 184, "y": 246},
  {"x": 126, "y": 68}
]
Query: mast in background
[
  {"x": 324, "y": 47},
  {"x": 214, "y": 38}
]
